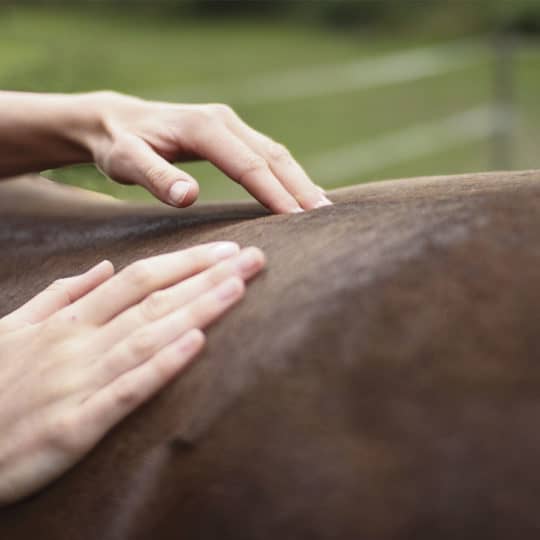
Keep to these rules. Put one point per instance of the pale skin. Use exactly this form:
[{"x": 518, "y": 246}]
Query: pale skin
[
  {"x": 134, "y": 141},
  {"x": 87, "y": 351}
]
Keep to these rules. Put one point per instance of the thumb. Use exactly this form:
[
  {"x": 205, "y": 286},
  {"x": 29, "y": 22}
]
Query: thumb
[
  {"x": 137, "y": 163},
  {"x": 58, "y": 295}
]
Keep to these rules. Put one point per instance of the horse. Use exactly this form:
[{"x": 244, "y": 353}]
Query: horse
[{"x": 380, "y": 380}]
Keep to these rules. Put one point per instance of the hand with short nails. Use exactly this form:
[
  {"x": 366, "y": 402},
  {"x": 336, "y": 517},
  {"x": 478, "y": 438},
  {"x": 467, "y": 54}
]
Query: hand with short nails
[
  {"x": 83, "y": 354},
  {"x": 140, "y": 139},
  {"x": 134, "y": 141}
]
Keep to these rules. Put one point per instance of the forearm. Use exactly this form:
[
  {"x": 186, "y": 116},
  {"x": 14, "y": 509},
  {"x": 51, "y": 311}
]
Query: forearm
[{"x": 42, "y": 131}]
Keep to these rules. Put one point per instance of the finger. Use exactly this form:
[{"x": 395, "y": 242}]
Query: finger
[
  {"x": 286, "y": 169},
  {"x": 149, "y": 340},
  {"x": 143, "y": 277},
  {"x": 60, "y": 294},
  {"x": 161, "y": 303},
  {"x": 235, "y": 158},
  {"x": 115, "y": 401},
  {"x": 140, "y": 164}
]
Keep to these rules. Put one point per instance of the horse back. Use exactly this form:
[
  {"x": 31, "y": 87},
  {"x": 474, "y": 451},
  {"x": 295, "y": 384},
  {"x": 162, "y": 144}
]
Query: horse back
[{"x": 380, "y": 379}]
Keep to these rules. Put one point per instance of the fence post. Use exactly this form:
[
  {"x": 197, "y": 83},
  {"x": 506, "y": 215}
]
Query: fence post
[{"x": 504, "y": 46}]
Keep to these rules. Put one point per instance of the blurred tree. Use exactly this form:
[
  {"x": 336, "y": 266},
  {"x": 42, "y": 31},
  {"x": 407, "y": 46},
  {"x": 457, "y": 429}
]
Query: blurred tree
[{"x": 521, "y": 16}]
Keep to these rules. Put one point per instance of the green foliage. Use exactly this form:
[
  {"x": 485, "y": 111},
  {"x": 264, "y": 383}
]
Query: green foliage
[{"x": 519, "y": 15}]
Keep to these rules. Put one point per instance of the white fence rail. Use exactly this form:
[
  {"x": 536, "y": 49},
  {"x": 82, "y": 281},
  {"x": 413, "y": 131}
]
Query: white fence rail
[{"x": 484, "y": 121}]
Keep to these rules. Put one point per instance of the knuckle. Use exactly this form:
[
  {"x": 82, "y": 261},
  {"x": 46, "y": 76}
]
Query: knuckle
[
  {"x": 199, "y": 127},
  {"x": 160, "y": 372},
  {"x": 121, "y": 150},
  {"x": 59, "y": 287},
  {"x": 108, "y": 94},
  {"x": 127, "y": 395},
  {"x": 253, "y": 165},
  {"x": 191, "y": 316},
  {"x": 216, "y": 276},
  {"x": 139, "y": 274},
  {"x": 223, "y": 111},
  {"x": 117, "y": 164},
  {"x": 200, "y": 258},
  {"x": 142, "y": 343},
  {"x": 200, "y": 118},
  {"x": 154, "y": 306},
  {"x": 190, "y": 121},
  {"x": 66, "y": 432},
  {"x": 278, "y": 152},
  {"x": 118, "y": 159},
  {"x": 197, "y": 258}
]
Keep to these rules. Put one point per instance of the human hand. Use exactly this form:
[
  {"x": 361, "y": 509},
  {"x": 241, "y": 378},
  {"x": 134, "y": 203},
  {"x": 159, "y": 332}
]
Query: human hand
[
  {"x": 137, "y": 141},
  {"x": 83, "y": 354}
]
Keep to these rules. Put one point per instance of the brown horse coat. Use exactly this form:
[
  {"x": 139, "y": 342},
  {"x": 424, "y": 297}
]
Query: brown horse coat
[{"x": 381, "y": 380}]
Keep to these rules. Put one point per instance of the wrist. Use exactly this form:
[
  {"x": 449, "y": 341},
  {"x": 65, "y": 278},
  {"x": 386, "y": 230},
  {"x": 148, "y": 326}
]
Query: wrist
[
  {"x": 84, "y": 123},
  {"x": 98, "y": 120},
  {"x": 45, "y": 131}
]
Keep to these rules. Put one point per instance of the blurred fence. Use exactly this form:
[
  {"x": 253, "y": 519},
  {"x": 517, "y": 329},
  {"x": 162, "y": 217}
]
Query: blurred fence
[{"x": 492, "y": 119}]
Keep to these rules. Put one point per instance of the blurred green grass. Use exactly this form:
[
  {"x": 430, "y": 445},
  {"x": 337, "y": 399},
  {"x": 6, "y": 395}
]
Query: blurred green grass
[{"x": 73, "y": 50}]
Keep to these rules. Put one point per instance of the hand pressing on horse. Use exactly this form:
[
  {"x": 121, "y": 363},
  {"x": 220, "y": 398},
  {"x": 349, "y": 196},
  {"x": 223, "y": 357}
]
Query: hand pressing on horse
[
  {"x": 141, "y": 138},
  {"x": 87, "y": 351},
  {"x": 135, "y": 141}
]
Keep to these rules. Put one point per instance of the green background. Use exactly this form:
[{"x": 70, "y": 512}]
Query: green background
[{"x": 244, "y": 57}]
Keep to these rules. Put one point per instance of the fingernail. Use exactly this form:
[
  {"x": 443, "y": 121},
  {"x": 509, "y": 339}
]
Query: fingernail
[
  {"x": 323, "y": 201},
  {"x": 297, "y": 210},
  {"x": 250, "y": 259},
  {"x": 231, "y": 289},
  {"x": 321, "y": 189},
  {"x": 224, "y": 250},
  {"x": 178, "y": 192}
]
